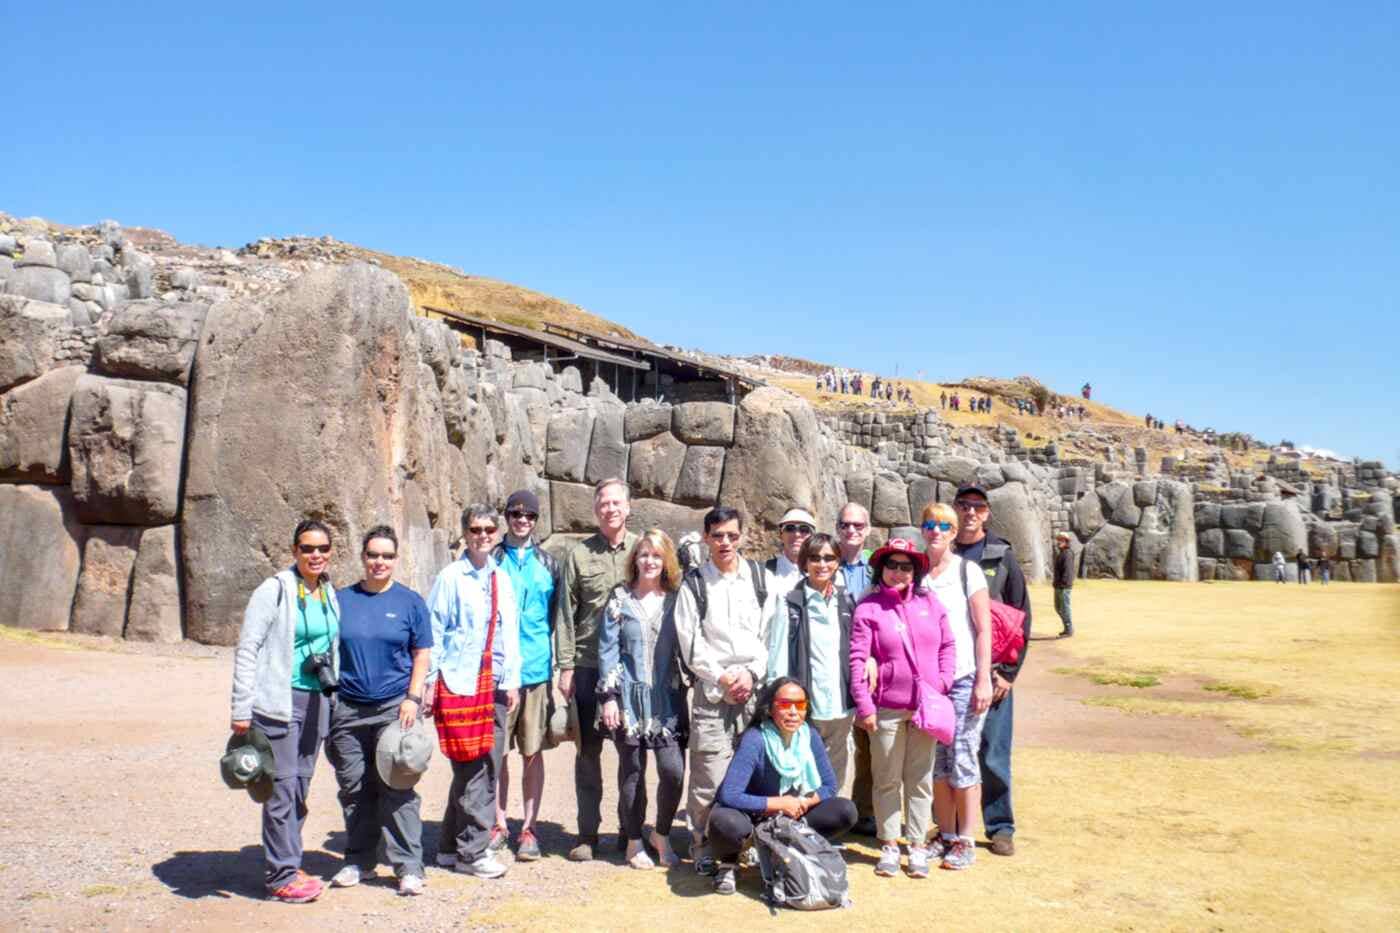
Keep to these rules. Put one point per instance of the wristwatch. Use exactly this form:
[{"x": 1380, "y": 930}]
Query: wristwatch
[{"x": 416, "y": 698}]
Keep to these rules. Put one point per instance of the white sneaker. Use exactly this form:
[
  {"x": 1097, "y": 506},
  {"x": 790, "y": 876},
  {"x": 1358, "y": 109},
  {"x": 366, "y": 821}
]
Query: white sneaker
[
  {"x": 484, "y": 865},
  {"x": 446, "y": 860},
  {"x": 410, "y": 885},
  {"x": 347, "y": 877}
]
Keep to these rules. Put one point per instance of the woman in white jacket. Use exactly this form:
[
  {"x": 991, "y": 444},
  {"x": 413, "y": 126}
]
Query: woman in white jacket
[{"x": 286, "y": 667}]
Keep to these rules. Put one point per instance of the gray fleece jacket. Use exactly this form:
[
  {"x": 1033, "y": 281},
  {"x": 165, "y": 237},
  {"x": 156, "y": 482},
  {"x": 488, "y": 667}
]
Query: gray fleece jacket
[{"x": 262, "y": 666}]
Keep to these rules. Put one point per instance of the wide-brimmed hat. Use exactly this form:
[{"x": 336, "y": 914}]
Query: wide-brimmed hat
[
  {"x": 899, "y": 546},
  {"x": 562, "y": 726},
  {"x": 402, "y": 755},
  {"x": 248, "y": 764},
  {"x": 799, "y": 516}
]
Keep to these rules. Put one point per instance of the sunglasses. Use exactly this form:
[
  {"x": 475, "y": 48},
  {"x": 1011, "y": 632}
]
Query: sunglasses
[
  {"x": 932, "y": 525},
  {"x": 481, "y": 530},
  {"x": 527, "y": 516},
  {"x": 798, "y": 705},
  {"x": 377, "y": 555},
  {"x": 725, "y": 536},
  {"x": 314, "y": 548},
  {"x": 852, "y": 526},
  {"x": 970, "y": 505},
  {"x": 793, "y": 528},
  {"x": 899, "y": 566},
  {"x": 824, "y": 559}
]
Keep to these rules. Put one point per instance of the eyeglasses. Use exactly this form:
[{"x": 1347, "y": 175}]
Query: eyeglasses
[
  {"x": 794, "y": 528},
  {"x": 314, "y": 548},
  {"x": 725, "y": 536},
  {"x": 481, "y": 530},
  {"x": 798, "y": 705},
  {"x": 899, "y": 566},
  {"x": 518, "y": 516},
  {"x": 932, "y": 525},
  {"x": 970, "y": 505},
  {"x": 376, "y": 555},
  {"x": 824, "y": 559},
  {"x": 851, "y": 526}
]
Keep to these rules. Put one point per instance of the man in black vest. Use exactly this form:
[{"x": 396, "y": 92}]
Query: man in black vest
[{"x": 1007, "y": 584}]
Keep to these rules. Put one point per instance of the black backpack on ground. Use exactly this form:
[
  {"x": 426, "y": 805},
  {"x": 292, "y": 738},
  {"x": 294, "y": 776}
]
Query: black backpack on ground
[{"x": 801, "y": 869}]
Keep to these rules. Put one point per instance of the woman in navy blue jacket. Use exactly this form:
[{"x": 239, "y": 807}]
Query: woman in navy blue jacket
[{"x": 780, "y": 766}]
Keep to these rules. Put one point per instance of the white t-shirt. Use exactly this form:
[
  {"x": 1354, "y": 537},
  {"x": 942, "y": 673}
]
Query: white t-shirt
[{"x": 948, "y": 588}]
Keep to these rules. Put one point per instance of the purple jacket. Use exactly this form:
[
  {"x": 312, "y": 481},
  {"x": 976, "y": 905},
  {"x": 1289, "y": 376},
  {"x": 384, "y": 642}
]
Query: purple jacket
[{"x": 874, "y": 634}]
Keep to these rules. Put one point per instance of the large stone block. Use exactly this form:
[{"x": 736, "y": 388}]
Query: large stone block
[
  {"x": 312, "y": 400},
  {"x": 1116, "y": 500},
  {"x": 1164, "y": 547},
  {"x": 1239, "y": 544},
  {"x": 108, "y": 556},
  {"x": 41, "y": 541},
  {"x": 1346, "y": 539},
  {"x": 1264, "y": 570},
  {"x": 1144, "y": 493},
  {"x": 645, "y": 419},
  {"x": 1367, "y": 544},
  {"x": 989, "y": 476},
  {"x": 655, "y": 465},
  {"x": 573, "y": 512},
  {"x": 1246, "y": 515},
  {"x": 1388, "y": 564},
  {"x": 860, "y": 489},
  {"x": 1086, "y": 515},
  {"x": 1322, "y": 540},
  {"x": 1018, "y": 520},
  {"x": 39, "y": 283},
  {"x": 1211, "y": 543},
  {"x": 1106, "y": 553},
  {"x": 922, "y": 492},
  {"x": 955, "y": 470},
  {"x": 675, "y": 520},
  {"x": 704, "y": 423},
  {"x": 1282, "y": 530},
  {"x": 607, "y": 452},
  {"x": 1364, "y": 570},
  {"x": 891, "y": 501},
  {"x": 74, "y": 259},
  {"x": 149, "y": 340},
  {"x": 1207, "y": 515},
  {"x": 38, "y": 252},
  {"x": 774, "y": 461},
  {"x": 566, "y": 444},
  {"x": 154, "y": 611},
  {"x": 571, "y": 506},
  {"x": 34, "y": 425},
  {"x": 29, "y": 338},
  {"x": 126, "y": 440},
  {"x": 700, "y": 476}
]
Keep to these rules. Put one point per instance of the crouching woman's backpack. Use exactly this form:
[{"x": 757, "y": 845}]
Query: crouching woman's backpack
[{"x": 800, "y": 868}]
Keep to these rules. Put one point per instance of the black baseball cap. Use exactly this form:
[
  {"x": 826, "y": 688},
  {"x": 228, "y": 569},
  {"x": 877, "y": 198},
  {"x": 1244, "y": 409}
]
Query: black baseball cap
[
  {"x": 971, "y": 489},
  {"x": 523, "y": 500}
]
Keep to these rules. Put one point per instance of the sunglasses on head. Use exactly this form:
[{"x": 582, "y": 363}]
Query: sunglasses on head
[
  {"x": 516, "y": 516},
  {"x": 314, "y": 548},
  {"x": 795, "y": 528},
  {"x": 798, "y": 705},
  {"x": 932, "y": 525}
]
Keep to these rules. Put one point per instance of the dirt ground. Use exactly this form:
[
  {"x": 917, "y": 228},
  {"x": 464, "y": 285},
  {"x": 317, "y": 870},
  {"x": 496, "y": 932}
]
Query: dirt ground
[{"x": 1269, "y": 799}]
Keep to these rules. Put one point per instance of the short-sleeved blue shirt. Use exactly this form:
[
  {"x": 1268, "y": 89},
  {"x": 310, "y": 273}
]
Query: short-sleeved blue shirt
[{"x": 378, "y": 633}]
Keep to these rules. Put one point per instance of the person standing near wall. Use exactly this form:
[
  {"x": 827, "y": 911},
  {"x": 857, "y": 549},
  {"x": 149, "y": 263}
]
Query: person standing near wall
[
  {"x": 534, "y": 573},
  {"x": 1064, "y": 582},
  {"x": 1007, "y": 584},
  {"x": 593, "y": 568}
]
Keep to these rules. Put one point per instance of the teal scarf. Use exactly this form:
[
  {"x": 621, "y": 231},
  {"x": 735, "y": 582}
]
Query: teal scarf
[{"x": 795, "y": 763}]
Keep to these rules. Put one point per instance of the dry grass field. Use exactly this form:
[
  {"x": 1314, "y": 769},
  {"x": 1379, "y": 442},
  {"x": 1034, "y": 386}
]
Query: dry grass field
[{"x": 1198, "y": 757}]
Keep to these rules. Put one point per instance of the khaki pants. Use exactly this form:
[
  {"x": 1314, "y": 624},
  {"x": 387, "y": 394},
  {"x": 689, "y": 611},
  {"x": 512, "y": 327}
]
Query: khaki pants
[
  {"x": 714, "y": 733},
  {"x": 901, "y": 759},
  {"x": 836, "y": 736}
]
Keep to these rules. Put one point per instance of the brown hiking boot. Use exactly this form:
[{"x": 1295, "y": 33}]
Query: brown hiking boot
[{"x": 1002, "y": 844}]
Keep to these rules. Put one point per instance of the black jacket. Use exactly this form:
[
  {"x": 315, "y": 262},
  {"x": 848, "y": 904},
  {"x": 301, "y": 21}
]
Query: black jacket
[
  {"x": 800, "y": 641},
  {"x": 1064, "y": 568},
  {"x": 1007, "y": 584}
]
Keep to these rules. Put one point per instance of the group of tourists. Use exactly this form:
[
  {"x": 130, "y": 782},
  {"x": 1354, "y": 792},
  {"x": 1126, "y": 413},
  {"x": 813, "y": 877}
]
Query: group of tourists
[
  {"x": 976, "y": 403},
  {"x": 1305, "y": 565},
  {"x": 848, "y": 383},
  {"x": 753, "y": 687}
]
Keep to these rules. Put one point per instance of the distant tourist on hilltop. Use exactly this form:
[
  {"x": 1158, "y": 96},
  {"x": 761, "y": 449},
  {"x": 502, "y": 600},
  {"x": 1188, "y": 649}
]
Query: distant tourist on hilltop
[
  {"x": 1087, "y": 391},
  {"x": 942, "y": 399}
]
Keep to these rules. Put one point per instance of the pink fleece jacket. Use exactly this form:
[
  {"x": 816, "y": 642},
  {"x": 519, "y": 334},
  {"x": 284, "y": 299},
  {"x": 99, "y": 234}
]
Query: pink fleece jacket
[{"x": 875, "y": 633}]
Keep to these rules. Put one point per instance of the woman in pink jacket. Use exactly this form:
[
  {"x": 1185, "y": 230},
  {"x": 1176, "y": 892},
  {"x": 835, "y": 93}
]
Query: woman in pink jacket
[{"x": 901, "y": 626}]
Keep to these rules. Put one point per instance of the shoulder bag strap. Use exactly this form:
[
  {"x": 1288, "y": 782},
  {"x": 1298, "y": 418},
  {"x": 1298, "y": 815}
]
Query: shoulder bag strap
[{"x": 491, "y": 620}]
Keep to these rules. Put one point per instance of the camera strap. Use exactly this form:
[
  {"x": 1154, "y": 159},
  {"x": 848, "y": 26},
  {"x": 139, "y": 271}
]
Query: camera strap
[{"x": 325, "y": 611}]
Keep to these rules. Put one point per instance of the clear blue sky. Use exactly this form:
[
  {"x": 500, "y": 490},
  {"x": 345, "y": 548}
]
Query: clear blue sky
[{"x": 1197, "y": 208}]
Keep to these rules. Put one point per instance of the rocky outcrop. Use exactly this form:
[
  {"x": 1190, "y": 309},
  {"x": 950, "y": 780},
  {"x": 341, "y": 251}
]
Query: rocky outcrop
[
  {"x": 41, "y": 541},
  {"x": 126, "y": 441},
  {"x": 34, "y": 428}
]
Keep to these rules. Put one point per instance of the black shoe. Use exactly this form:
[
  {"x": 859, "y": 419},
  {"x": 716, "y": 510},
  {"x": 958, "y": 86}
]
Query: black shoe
[
  {"x": 621, "y": 841},
  {"x": 865, "y": 826},
  {"x": 1067, "y": 633}
]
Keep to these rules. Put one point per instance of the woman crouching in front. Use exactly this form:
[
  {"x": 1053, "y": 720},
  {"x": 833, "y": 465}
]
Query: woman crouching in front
[
  {"x": 285, "y": 669},
  {"x": 780, "y": 766}
]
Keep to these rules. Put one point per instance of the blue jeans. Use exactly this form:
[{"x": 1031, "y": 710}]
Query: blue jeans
[
  {"x": 1062, "y": 607},
  {"x": 996, "y": 768}
]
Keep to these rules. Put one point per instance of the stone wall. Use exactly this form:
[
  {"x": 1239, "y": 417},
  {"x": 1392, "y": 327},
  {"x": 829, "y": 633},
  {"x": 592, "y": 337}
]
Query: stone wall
[{"x": 164, "y": 423}]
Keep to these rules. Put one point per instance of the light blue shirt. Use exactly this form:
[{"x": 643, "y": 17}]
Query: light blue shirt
[
  {"x": 824, "y": 636},
  {"x": 459, "y": 605},
  {"x": 856, "y": 577}
]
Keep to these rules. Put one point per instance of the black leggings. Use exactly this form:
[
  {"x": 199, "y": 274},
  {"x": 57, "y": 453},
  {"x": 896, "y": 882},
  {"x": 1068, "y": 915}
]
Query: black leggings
[
  {"x": 632, "y": 789},
  {"x": 730, "y": 829}
]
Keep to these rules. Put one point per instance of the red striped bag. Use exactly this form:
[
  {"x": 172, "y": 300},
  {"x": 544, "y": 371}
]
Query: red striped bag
[{"x": 466, "y": 724}]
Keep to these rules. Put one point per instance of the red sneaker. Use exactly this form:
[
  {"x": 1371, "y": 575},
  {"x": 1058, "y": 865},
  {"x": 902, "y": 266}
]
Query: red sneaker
[{"x": 300, "y": 890}]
